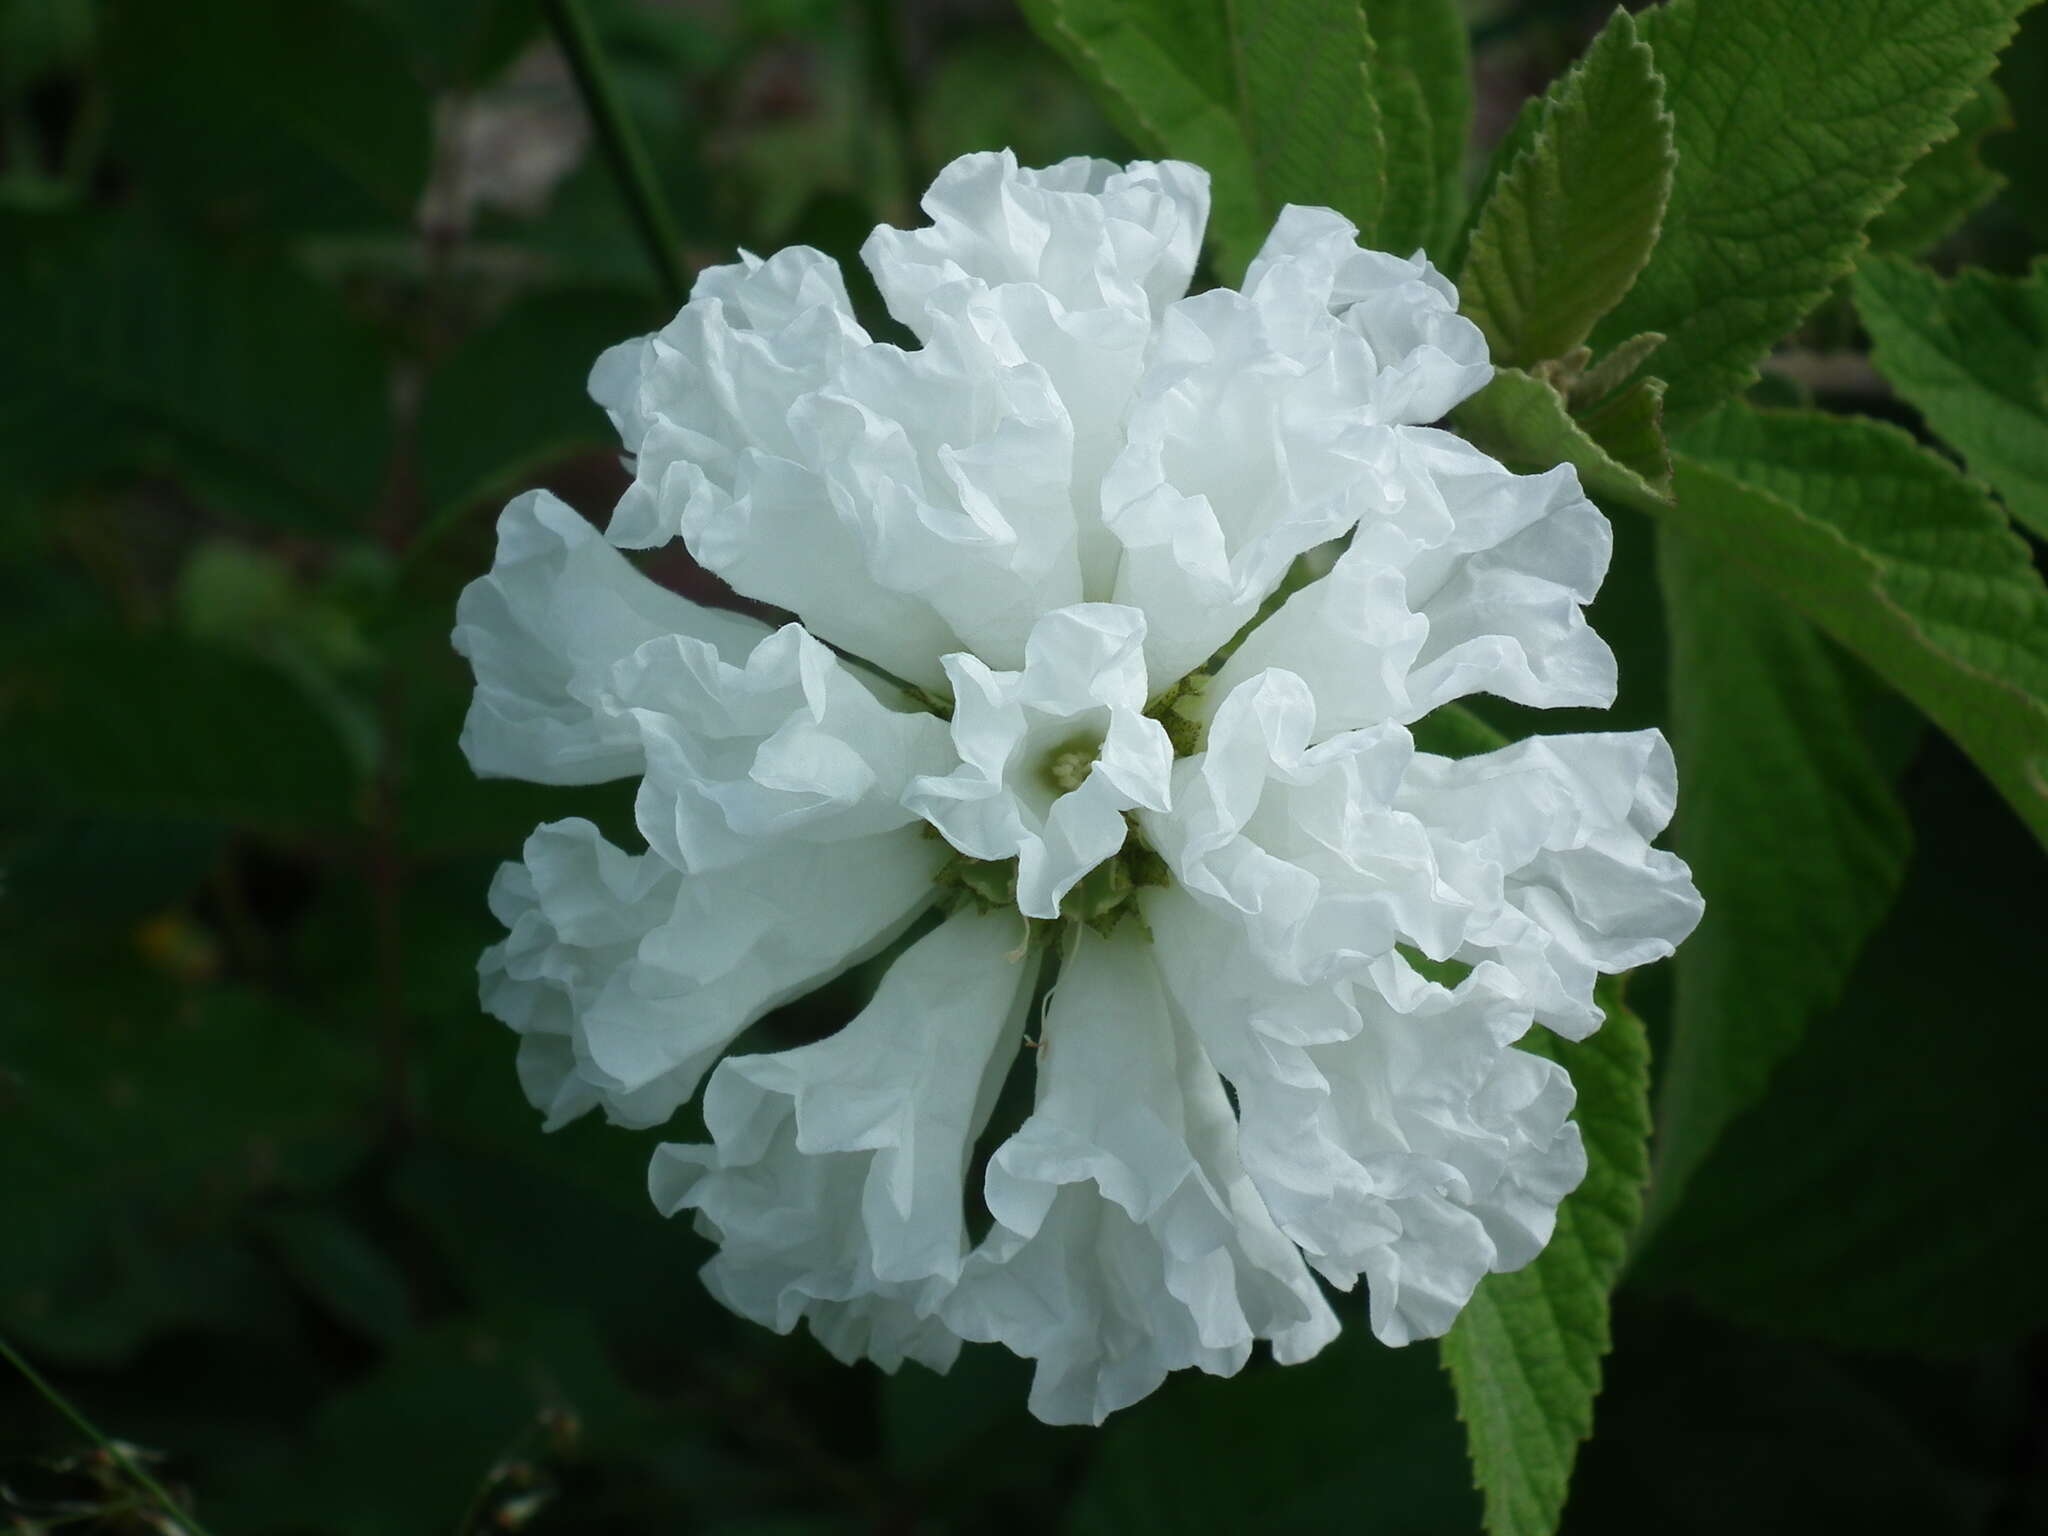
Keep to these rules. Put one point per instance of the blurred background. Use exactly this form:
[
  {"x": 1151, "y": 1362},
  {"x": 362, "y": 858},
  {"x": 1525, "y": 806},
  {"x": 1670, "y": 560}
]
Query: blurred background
[{"x": 292, "y": 297}]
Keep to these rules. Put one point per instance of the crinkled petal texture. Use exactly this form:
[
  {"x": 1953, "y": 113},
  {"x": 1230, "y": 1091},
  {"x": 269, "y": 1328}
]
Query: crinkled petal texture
[
  {"x": 1128, "y": 1240},
  {"x": 833, "y": 1185},
  {"x": 1112, "y": 608}
]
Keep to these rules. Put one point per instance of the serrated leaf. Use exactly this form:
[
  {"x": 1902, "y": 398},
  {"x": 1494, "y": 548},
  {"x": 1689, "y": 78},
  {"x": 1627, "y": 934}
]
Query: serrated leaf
[
  {"x": 1897, "y": 557},
  {"x": 1794, "y": 837},
  {"x": 1573, "y": 218},
  {"x": 1423, "y": 70},
  {"x": 1278, "y": 102},
  {"x": 1948, "y": 183},
  {"x": 1795, "y": 120},
  {"x": 1525, "y": 1355},
  {"x": 1972, "y": 357},
  {"x": 241, "y": 378},
  {"x": 1523, "y": 421}
]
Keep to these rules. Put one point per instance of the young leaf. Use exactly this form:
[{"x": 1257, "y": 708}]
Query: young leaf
[
  {"x": 1278, "y": 102},
  {"x": 1948, "y": 183},
  {"x": 1572, "y": 219},
  {"x": 1794, "y": 836},
  {"x": 1795, "y": 121},
  {"x": 1424, "y": 76},
  {"x": 1885, "y": 547},
  {"x": 1972, "y": 357},
  {"x": 1525, "y": 1354}
]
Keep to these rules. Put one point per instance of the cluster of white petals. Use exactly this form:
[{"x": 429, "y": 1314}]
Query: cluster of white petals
[{"x": 1112, "y": 608}]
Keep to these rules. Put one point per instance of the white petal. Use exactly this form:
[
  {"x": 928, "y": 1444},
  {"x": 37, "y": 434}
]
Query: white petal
[
  {"x": 1303, "y": 844},
  {"x": 1091, "y": 234},
  {"x": 1128, "y": 1241},
  {"x": 743, "y": 940},
  {"x": 1242, "y": 452},
  {"x": 1476, "y": 583},
  {"x": 1414, "y": 1147},
  {"x": 1421, "y": 356},
  {"x": 834, "y": 1187},
  {"x": 634, "y": 977},
  {"x": 1081, "y": 691},
  {"x": 542, "y": 632},
  {"x": 1564, "y": 824},
  {"x": 789, "y": 743}
]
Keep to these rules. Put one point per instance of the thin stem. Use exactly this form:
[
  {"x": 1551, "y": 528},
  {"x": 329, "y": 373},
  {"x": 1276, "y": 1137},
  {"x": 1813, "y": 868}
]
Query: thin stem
[
  {"x": 622, "y": 147},
  {"x": 130, "y": 1468}
]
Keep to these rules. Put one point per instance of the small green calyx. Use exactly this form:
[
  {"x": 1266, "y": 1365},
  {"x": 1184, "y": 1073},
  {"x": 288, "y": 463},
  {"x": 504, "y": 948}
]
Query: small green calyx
[
  {"x": 1178, "y": 711},
  {"x": 1101, "y": 899}
]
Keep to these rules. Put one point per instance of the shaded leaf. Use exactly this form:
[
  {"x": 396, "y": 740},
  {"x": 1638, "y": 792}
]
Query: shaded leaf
[
  {"x": 1971, "y": 356},
  {"x": 1795, "y": 839},
  {"x": 1948, "y": 183},
  {"x": 1572, "y": 219},
  {"x": 1524, "y": 422},
  {"x": 1424, "y": 77}
]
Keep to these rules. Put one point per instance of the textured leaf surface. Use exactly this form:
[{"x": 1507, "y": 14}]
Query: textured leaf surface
[
  {"x": 1972, "y": 357},
  {"x": 1890, "y": 551},
  {"x": 1525, "y": 1355},
  {"x": 1278, "y": 102},
  {"x": 1787, "y": 817},
  {"x": 1423, "y": 73},
  {"x": 1795, "y": 121},
  {"x": 1572, "y": 219},
  {"x": 1948, "y": 183}
]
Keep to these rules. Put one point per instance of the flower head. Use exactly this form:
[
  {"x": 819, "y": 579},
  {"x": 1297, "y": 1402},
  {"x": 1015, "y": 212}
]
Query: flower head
[{"x": 1111, "y": 609}]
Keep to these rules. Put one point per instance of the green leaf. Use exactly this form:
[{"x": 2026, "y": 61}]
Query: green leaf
[
  {"x": 1867, "y": 1200},
  {"x": 1795, "y": 121},
  {"x": 1423, "y": 72},
  {"x": 1525, "y": 1355},
  {"x": 347, "y": 1273},
  {"x": 250, "y": 383},
  {"x": 1279, "y": 102},
  {"x": 1523, "y": 421},
  {"x": 1794, "y": 837},
  {"x": 1897, "y": 557},
  {"x": 1948, "y": 183},
  {"x": 1972, "y": 357},
  {"x": 1573, "y": 218},
  {"x": 300, "y": 117}
]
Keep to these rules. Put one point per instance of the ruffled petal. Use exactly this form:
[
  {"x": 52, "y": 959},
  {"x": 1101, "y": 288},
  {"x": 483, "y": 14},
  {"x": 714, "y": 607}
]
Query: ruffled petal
[
  {"x": 1413, "y": 1145},
  {"x": 1563, "y": 824},
  {"x": 834, "y": 1185},
  {"x": 1128, "y": 1241},
  {"x": 1476, "y": 583},
  {"x": 542, "y": 632},
  {"x": 787, "y": 744}
]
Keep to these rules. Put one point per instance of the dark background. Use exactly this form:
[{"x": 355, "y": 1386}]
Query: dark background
[{"x": 291, "y": 298}]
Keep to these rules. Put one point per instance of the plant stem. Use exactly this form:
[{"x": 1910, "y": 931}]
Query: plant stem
[
  {"x": 621, "y": 145},
  {"x": 130, "y": 1468}
]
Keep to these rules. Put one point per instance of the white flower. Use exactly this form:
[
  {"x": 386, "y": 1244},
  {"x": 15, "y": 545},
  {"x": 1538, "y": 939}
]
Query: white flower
[
  {"x": 1052, "y": 756},
  {"x": 1112, "y": 609}
]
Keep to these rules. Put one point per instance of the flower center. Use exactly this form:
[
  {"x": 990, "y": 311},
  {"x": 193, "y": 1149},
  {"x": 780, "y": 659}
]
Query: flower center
[{"x": 1064, "y": 766}]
